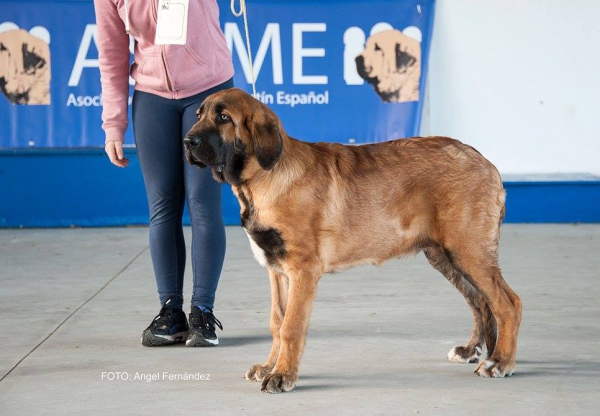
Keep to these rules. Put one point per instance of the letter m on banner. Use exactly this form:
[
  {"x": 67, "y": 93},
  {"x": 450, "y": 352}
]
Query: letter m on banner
[{"x": 271, "y": 38}]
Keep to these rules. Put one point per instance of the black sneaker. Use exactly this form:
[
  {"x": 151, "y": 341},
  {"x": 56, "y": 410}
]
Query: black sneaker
[
  {"x": 202, "y": 329},
  {"x": 169, "y": 327}
]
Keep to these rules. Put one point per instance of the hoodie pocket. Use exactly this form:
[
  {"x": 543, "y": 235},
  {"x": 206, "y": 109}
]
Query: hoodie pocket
[
  {"x": 151, "y": 73},
  {"x": 185, "y": 68}
]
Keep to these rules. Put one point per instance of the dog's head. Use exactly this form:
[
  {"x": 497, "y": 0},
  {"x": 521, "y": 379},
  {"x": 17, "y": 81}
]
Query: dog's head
[
  {"x": 25, "y": 66},
  {"x": 391, "y": 62},
  {"x": 235, "y": 135}
]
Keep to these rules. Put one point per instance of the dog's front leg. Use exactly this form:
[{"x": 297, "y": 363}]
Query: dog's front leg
[
  {"x": 279, "y": 295},
  {"x": 301, "y": 294}
]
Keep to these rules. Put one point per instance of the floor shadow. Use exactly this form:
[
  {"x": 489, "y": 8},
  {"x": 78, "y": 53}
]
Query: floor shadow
[
  {"x": 317, "y": 376},
  {"x": 539, "y": 368},
  {"x": 239, "y": 341},
  {"x": 314, "y": 387}
]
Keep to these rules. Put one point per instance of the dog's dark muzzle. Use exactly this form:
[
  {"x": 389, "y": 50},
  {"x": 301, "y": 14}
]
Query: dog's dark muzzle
[{"x": 204, "y": 150}]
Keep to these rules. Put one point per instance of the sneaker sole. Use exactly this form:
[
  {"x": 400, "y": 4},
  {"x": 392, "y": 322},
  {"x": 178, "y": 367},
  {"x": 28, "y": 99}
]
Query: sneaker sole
[
  {"x": 198, "y": 341},
  {"x": 151, "y": 340}
]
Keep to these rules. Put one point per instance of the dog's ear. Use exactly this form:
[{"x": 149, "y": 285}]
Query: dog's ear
[
  {"x": 266, "y": 137},
  {"x": 403, "y": 59}
]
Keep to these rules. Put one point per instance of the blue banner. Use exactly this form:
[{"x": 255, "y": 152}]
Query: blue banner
[{"x": 333, "y": 70}]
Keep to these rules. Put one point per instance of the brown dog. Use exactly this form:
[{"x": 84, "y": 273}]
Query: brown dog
[{"x": 315, "y": 208}]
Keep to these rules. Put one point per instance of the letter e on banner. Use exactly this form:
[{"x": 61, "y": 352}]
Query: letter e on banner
[{"x": 299, "y": 52}]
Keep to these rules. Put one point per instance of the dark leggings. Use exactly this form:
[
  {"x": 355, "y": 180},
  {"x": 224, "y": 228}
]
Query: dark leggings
[{"x": 159, "y": 125}]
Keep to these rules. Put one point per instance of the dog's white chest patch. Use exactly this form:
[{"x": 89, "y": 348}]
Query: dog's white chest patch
[{"x": 258, "y": 252}]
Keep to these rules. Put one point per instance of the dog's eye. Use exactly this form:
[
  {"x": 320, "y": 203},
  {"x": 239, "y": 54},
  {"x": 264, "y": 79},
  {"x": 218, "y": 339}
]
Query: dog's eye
[{"x": 223, "y": 118}]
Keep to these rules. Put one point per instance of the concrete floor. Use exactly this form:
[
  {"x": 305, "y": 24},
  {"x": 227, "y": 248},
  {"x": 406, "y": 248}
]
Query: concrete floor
[{"x": 74, "y": 302}]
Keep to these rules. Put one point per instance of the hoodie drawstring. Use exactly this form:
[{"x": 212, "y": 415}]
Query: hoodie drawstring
[{"x": 126, "y": 18}]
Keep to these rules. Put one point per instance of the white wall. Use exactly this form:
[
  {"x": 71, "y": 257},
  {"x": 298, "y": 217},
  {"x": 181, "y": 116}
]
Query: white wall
[{"x": 520, "y": 81}]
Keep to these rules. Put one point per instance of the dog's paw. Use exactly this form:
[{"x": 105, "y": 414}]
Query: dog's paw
[
  {"x": 278, "y": 382},
  {"x": 465, "y": 355},
  {"x": 257, "y": 372},
  {"x": 496, "y": 369}
]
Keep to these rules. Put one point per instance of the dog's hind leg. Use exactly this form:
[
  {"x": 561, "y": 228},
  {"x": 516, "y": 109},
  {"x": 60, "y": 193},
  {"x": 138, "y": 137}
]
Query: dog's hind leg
[
  {"x": 279, "y": 294},
  {"x": 490, "y": 326},
  {"x": 480, "y": 267},
  {"x": 482, "y": 328}
]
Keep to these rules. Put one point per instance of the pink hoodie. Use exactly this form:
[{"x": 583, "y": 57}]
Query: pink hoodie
[{"x": 170, "y": 71}]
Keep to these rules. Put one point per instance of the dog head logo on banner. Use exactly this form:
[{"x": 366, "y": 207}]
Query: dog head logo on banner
[
  {"x": 391, "y": 63},
  {"x": 25, "y": 64}
]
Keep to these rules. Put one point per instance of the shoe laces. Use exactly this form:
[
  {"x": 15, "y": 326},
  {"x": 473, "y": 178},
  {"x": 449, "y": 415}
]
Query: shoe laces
[
  {"x": 162, "y": 319},
  {"x": 206, "y": 320}
]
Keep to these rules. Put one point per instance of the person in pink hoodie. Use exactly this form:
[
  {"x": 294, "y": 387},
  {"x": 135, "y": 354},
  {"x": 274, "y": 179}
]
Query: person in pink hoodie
[{"x": 175, "y": 68}]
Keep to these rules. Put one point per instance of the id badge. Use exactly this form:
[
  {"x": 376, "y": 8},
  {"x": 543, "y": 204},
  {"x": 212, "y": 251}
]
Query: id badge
[{"x": 171, "y": 24}]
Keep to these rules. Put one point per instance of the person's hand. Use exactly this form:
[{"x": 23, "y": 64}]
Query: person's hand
[{"x": 114, "y": 150}]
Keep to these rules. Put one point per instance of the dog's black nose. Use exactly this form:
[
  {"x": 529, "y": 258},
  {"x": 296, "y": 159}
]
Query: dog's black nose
[{"x": 191, "y": 140}]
